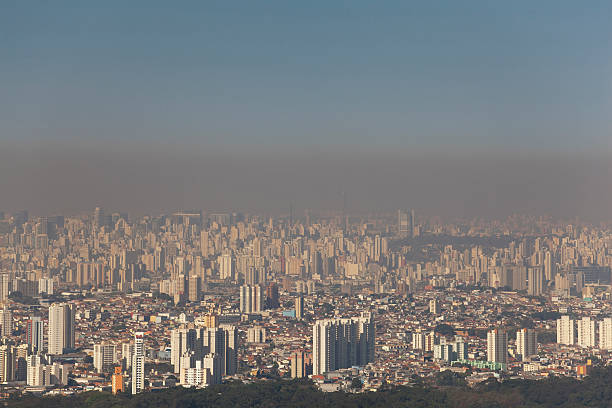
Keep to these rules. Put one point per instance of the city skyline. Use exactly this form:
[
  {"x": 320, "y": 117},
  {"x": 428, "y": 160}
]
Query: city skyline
[
  {"x": 305, "y": 204},
  {"x": 110, "y": 302}
]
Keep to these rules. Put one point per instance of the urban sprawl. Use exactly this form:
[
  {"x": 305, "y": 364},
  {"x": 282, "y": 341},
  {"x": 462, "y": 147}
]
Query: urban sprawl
[{"x": 107, "y": 301}]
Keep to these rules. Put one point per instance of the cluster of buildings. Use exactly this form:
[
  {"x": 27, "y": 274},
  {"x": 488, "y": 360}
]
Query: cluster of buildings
[
  {"x": 104, "y": 301},
  {"x": 585, "y": 332}
]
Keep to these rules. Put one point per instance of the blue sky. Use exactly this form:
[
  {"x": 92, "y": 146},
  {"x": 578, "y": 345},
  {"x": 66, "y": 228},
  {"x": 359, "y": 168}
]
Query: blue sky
[{"x": 526, "y": 75}]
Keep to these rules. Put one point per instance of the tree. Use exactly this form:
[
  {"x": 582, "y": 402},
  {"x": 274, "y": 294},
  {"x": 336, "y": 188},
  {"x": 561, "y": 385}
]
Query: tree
[
  {"x": 449, "y": 378},
  {"x": 445, "y": 330},
  {"x": 356, "y": 383}
]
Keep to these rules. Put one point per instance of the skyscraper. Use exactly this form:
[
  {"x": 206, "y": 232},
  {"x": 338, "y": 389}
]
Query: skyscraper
[
  {"x": 34, "y": 334},
  {"x": 194, "y": 288},
  {"x": 213, "y": 364},
  {"x": 586, "y": 332},
  {"x": 5, "y": 286},
  {"x": 6, "y": 363},
  {"x": 535, "y": 279},
  {"x": 181, "y": 341},
  {"x": 605, "y": 334},
  {"x": 299, "y": 307},
  {"x": 20, "y": 367},
  {"x": 342, "y": 343},
  {"x": 127, "y": 352},
  {"x": 35, "y": 370},
  {"x": 204, "y": 244},
  {"x": 138, "y": 363},
  {"x": 61, "y": 328},
  {"x": 434, "y": 306},
  {"x": 300, "y": 364},
  {"x": 526, "y": 343},
  {"x": 403, "y": 223},
  {"x": 117, "y": 381},
  {"x": 256, "y": 334},
  {"x": 566, "y": 331},
  {"x": 105, "y": 355},
  {"x": 230, "y": 353},
  {"x": 190, "y": 345},
  {"x": 226, "y": 266},
  {"x": 98, "y": 217},
  {"x": 6, "y": 320},
  {"x": 251, "y": 299},
  {"x": 497, "y": 346},
  {"x": 272, "y": 296}
]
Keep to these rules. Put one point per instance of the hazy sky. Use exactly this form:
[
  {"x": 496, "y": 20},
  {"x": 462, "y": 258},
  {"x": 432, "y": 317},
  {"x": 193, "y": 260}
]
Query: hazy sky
[
  {"x": 531, "y": 74},
  {"x": 516, "y": 80}
]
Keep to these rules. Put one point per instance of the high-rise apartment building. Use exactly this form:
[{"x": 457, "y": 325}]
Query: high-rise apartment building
[
  {"x": 45, "y": 285},
  {"x": 342, "y": 343},
  {"x": 586, "y": 332},
  {"x": 460, "y": 349},
  {"x": 256, "y": 334},
  {"x": 181, "y": 341},
  {"x": 5, "y": 286},
  {"x": 443, "y": 352},
  {"x": 20, "y": 354},
  {"x": 127, "y": 352},
  {"x": 117, "y": 381},
  {"x": 497, "y": 346},
  {"x": 6, "y": 322},
  {"x": 526, "y": 343},
  {"x": 535, "y": 281},
  {"x": 227, "y": 266},
  {"x": 194, "y": 288},
  {"x": 36, "y": 371},
  {"x": 105, "y": 356},
  {"x": 193, "y": 344},
  {"x": 251, "y": 299},
  {"x": 403, "y": 223},
  {"x": 138, "y": 359},
  {"x": 61, "y": 328},
  {"x": 434, "y": 306},
  {"x": 566, "y": 331},
  {"x": 272, "y": 301},
  {"x": 230, "y": 352},
  {"x": 605, "y": 334},
  {"x": 299, "y": 307},
  {"x": 418, "y": 341},
  {"x": 204, "y": 247},
  {"x": 6, "y": 363},
  {"x": 301, "y": 364}
]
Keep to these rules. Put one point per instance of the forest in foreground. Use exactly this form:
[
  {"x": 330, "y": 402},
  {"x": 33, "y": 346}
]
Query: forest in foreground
[{"x": 448, "y": 390}]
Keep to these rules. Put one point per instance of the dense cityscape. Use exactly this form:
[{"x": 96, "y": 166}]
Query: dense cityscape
[
  {"x": 305, "y": 204},
  {"x": 105, "y": 301}
]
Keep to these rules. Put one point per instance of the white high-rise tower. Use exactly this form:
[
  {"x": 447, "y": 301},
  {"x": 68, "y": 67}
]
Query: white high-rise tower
[
  {"x": 566, "y": 331},
  {"x": 526, "y": 343},
  {"x": 605, "y": 334},
  {"x": 138, "y": 363},
  {"x": 61, "y": 328},
  {"x": 497, "y": 346},
  {"x": 586, "y": 332}
]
